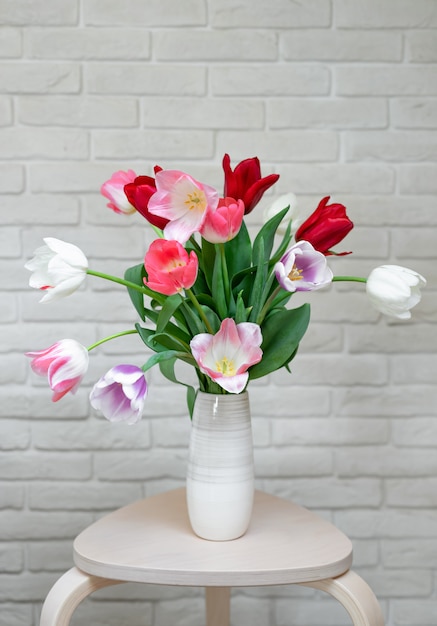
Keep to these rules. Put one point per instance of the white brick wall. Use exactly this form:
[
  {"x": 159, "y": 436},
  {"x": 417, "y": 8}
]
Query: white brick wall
[{"x": 340, "y": 98}]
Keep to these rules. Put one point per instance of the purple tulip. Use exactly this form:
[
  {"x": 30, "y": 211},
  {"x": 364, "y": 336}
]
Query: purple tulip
[
  {"x": 302, "y": 268},
  {"x": 120, "y": 394}
]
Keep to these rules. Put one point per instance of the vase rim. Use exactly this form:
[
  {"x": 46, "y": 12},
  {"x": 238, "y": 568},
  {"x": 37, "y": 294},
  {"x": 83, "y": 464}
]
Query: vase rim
[{"x": 224, "y": 395}]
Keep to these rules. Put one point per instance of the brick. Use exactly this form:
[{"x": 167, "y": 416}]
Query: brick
[
  {"x": 415, "y": 432},
  {"x": 69, "y": 177},
  {"x": 81, "y": 497},
  {"x": 11, "y": 178},
  {"x": 28, "y": 78},
  {"x": 42, "y": 12},
  {"x": 11, "y": 558},
  {"x": 283, "y": 14},
  {"x": 170, "y": 432},
  {"x": 38, "y": 525},
  {"x": 424, "y": 243},
  {"x": 12, "y": 369},
  {"x": 10, "y": 43},
  {"x": 399, "y": 401},
  {"x": 414, "y": 112},
  {"x": 380, "y": 461},
  {"x": 146, "y": 79},
  {"x": 93, "y": 112},
  {"x": 295, "y": 401},
  {"x": 136, "y": 13},
  {"x": 11, "y": 496},
  {"x": 9, "y": 310},
  {"x": 386, "y": 80},
  {"x": 387, "y": 523},
  {"x": 391, "y": 339},
  {"x": 25, "y": 587},
  {"x": 22, "y": 402},
  {"x": 215, "y": 45},
  {"x": 294, "y": 145},
  {"x": 5, "y": 112},
  {"x": 112, "y": 613},
  {"x": 10, "y": 244},
  {"x": 418, "y": 179},
  {"x": 21, "y": 209},
  {"x": 421, "y": 46},
  {"x": 409, "y": 492},
  {"x": 384, "y": 210},
  {"x": 287, "y": 462},
  {"x": 205, "y": 113},
  {"x": 393, "y": 14},
  {"x": 327, "y": 113},
  {"x": 390, "y": 146},
  {"x": 154, "y": 144},
  {"x": 326, "y": 179},
  {"x": 408, "y": 370},
  {"x": 158, "y": 462},
  {"x": 14, "y": 435},
  {"x": 88, "y": 43},
  {"x": 16, "y": 614},
  {"x": 326, "y": 432},
  {"x": 49, "y": 556},
  {"x": 336, "y": 45},
  {"x": 269, "y": 80},
  {"x": 20, "y": 143},
  {"x": 92, "y": 434},
  {"x": 400, "y": 583},
  {"x": 45, "y": 466},
  {"x": 410, "y": 611},
  {"x": 408, "y": 553}
]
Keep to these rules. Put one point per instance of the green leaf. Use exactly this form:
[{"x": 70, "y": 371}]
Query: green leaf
[
  {"x": 241, "y": 311},
  {"x": 258, "y": 284},
  {"x": 238, "y": 251},
  {"x": 282, "y": 332},
  {"x": 218, "y": 288},
  {"x": 159, "y": 357},
  {"x": 135, "y": 275},
  {"x": 267, "y": 235},
  {"x": 207, "y": 260},
  {"x": 171, "y": 305},
  {"x": 167, "y": 370}
]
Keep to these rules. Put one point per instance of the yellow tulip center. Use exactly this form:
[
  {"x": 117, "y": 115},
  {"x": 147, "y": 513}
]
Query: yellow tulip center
[
  {"x": 196, "y": 201},
  {"x": 295, "y": 274},
  {"x": 226, "y": 367}
]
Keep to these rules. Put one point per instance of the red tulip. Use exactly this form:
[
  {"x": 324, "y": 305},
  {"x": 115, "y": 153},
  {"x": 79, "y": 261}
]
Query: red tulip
[
  {"x": 169, "y": 267},
  {"x": 326, "y": 227},
  {"x": 245, "y": 182},
  {"x": 139, "y": 193}
]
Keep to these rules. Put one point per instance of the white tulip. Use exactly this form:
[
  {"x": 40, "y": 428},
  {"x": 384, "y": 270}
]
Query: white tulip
[
  {"x": 288, "y": 199},
  {"x": 59, "y": 268},
  {"x": 394, "y": 290}
]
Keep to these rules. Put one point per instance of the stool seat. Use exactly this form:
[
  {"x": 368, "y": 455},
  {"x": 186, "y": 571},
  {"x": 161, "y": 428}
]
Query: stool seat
[{"x": 151, "y": 542}]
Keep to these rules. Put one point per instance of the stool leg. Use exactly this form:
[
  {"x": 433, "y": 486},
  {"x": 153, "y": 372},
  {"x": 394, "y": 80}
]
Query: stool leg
[
  {"x": 356, "y": 597},
  {"x": 217, "y": 606},
  {"x": 67, "y": 593}
]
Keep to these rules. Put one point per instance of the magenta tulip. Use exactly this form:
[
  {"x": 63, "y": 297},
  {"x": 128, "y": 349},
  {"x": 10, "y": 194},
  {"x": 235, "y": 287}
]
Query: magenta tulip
[
  {"x": 302, "y": 268},
  {"x": 113, "y": 190},
  {"x": 223, "y": 224},
  {"x": 120, "y": 394}
]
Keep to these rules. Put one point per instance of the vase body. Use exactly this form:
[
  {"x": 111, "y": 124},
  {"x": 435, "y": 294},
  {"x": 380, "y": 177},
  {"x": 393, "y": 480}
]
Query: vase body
[{"x": 220, "y": 476}]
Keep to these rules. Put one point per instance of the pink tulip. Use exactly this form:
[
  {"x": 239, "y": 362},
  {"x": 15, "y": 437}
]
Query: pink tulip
[
  {"x": 183, "y": 201},
  {"x": 302, "y": 268},
  {"x": 65, "y": 363},
  {"x": 120, "y": 394},
  {"x": 223, "y": 224},
  {"x": 169, "y": 267},
  {"x": 113, "y": 190},
  {"x": 226, "y": 356}
]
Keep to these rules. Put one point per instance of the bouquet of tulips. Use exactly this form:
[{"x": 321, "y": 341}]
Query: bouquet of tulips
[{"x": 206, "y": 294}]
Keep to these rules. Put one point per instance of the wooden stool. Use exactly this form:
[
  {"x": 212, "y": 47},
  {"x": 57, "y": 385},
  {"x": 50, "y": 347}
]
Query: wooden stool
[{"x": 151, "y": 541}]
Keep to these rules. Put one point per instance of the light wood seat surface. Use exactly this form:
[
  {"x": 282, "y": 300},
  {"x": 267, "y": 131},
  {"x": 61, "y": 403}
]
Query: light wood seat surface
[{"x": 151, "y": 541}]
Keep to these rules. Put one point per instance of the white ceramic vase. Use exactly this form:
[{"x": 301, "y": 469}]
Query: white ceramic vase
[{"x": 220, "y": 476}]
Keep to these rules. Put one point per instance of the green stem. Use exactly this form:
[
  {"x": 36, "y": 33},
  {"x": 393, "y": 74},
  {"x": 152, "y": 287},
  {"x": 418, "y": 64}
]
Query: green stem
[
  {"x": 354, "y": 279},
  {"x": 267, "y": 304},
  {"x": 225, "y": 271},
  {"x": 122, "y": 334},
  {"x": 199, "y": 309},
  {"x": 120, "y": 281}
]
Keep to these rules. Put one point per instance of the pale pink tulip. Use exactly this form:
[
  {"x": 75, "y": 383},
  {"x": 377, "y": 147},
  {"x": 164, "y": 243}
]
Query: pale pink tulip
[
  {"x": 183, "y": 201},
  {"x": 65, "y": 364},
  {"x": 113, "y": 190},
  {"x": 226, "y": 356},
  {"x": 223, "y": 224}
]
